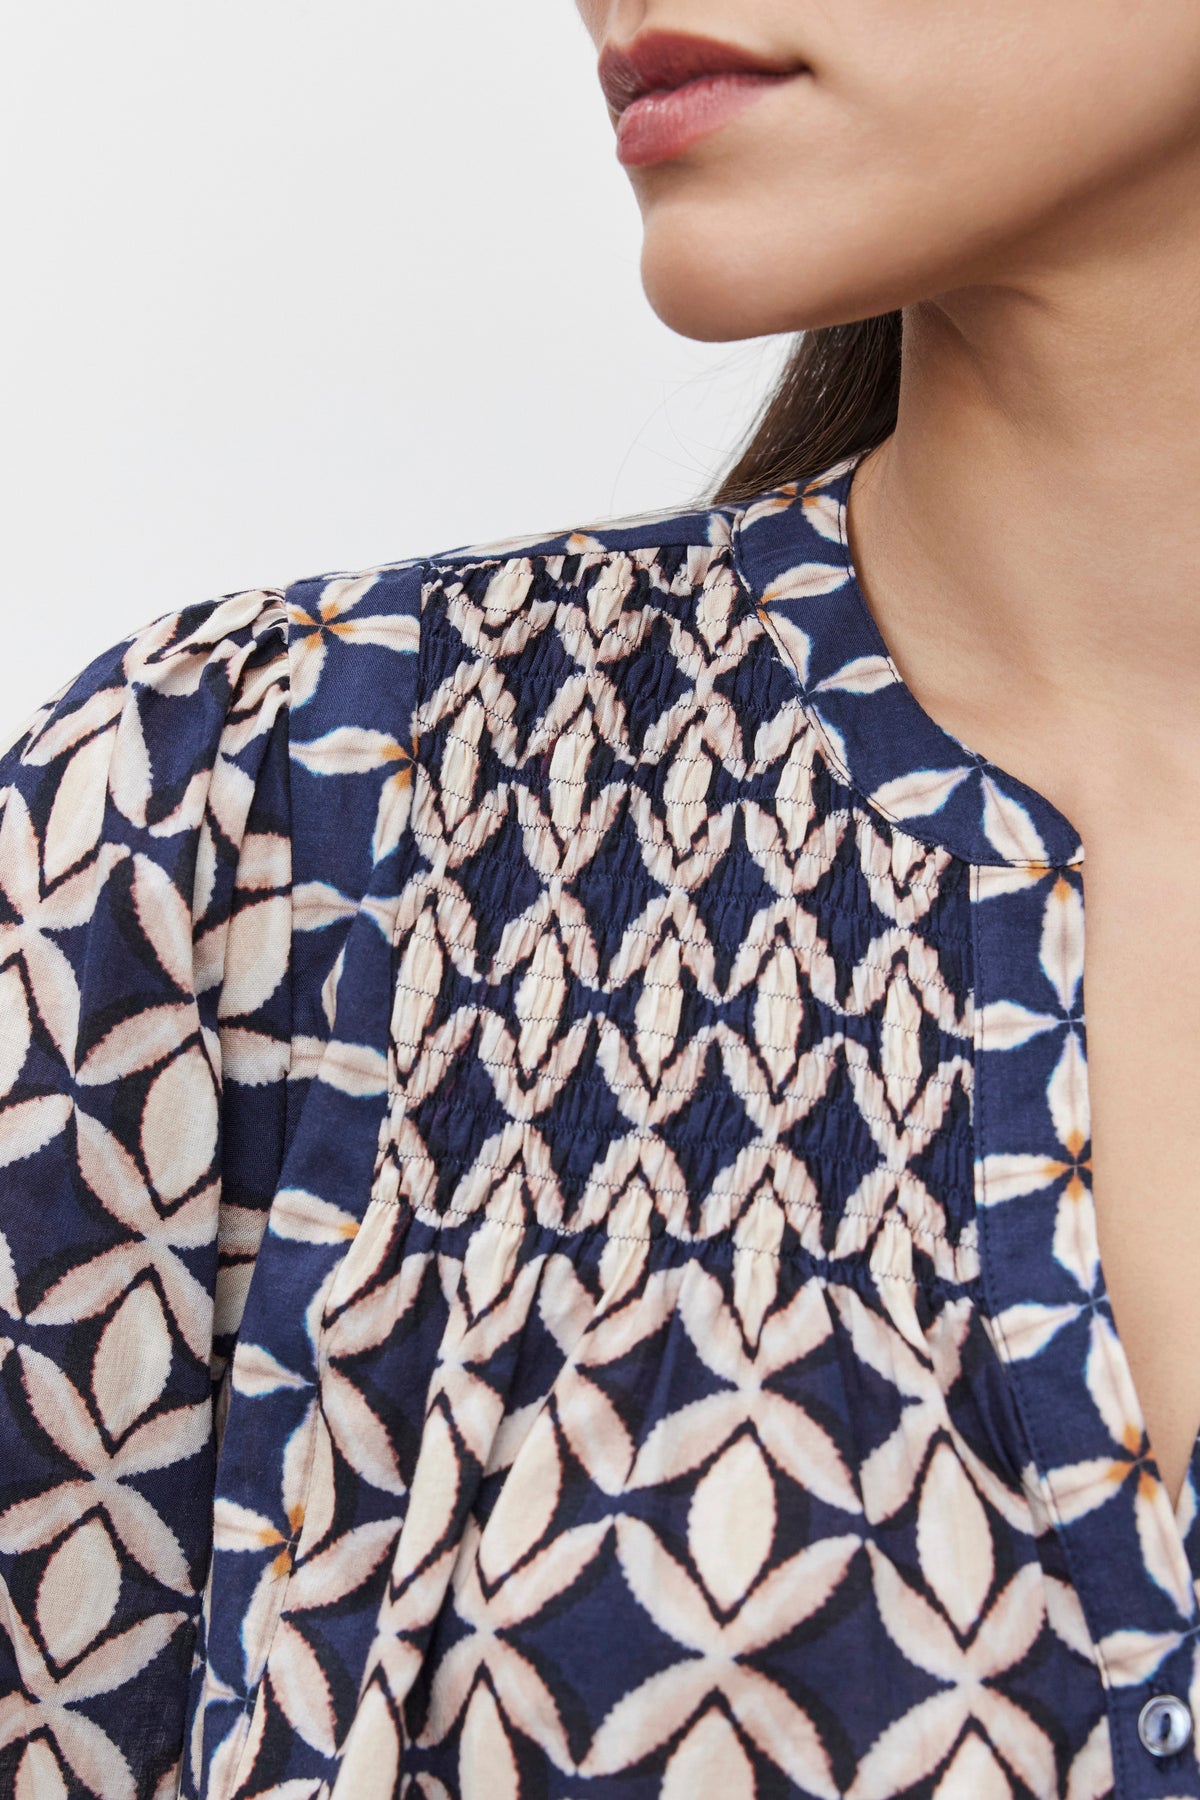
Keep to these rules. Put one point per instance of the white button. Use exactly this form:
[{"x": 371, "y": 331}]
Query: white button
[{"x": 1164, "y": 1725}]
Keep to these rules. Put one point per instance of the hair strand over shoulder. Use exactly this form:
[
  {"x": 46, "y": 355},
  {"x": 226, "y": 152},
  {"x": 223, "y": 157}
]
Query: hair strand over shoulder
[{"x": 838, "y": 395}]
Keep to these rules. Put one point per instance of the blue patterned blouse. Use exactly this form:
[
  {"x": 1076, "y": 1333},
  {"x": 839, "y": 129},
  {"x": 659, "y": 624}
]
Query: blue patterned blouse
[{"x": 547, "y": 1247}]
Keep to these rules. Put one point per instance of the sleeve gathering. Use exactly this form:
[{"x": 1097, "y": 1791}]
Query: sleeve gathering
[{"x": 145, "y": 1039}]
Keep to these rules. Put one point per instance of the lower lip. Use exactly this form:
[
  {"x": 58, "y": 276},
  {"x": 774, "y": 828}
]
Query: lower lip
[{"x": 661, "y": 125}]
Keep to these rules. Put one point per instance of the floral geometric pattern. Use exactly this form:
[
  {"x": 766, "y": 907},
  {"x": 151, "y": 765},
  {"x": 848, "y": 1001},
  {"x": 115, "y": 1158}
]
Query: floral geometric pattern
[{"x": 548, "y": 1247}]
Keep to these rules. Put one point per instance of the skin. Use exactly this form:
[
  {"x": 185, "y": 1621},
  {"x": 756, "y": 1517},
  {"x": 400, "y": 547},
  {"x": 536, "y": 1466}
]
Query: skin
[{"x": 1023, "y": 181}]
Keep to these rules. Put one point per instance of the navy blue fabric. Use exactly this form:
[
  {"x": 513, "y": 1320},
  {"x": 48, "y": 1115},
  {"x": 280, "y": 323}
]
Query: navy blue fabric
[{"x": 544, "y": 1183}]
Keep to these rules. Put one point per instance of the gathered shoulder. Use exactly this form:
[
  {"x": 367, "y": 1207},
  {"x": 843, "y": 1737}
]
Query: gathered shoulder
[
  {"x": 397, "y": 584},
  {"x": 348, "y": 627},
  {"x": 336, "y": 651},
  {"x": 197, "y": 648}
]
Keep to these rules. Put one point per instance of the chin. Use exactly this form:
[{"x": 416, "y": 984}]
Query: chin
[{"x": 702, "y": 284}]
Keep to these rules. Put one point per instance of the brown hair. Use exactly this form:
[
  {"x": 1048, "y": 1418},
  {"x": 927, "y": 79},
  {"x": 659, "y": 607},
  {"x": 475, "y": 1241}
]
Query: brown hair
[{"x": 838, "y": 395}]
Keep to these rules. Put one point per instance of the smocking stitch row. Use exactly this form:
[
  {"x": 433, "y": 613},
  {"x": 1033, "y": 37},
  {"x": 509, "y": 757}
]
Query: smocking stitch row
[
  {"x": 759, "y": 993},
  {"x": 672, "y": 1037},
  {"x": 571, "y": 598},
  {"x": 717, "y": 705},
  {"x": 852, "y": 1109},
  {"x": 602, "y": 831},
  {"x": 750, "y": 771},
  {"x": 901, "y": 1172},
  {"x": 690, "y": 663},
  {"x": 701, "y": 886},
  {"x": 933, "y": 982},
  {"x": 648, "y": 1237}
]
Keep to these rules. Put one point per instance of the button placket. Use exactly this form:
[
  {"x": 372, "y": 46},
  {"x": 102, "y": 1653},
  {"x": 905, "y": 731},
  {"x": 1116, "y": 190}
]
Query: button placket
[{"x": 1124, "y": 1552}]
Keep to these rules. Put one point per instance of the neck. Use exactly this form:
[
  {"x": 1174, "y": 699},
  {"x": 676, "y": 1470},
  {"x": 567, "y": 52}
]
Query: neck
[{"x": 1031, "y": 528}]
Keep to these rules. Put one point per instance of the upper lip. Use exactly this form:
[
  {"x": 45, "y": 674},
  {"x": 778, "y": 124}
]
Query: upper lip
[{"x": 668, "y": 59}]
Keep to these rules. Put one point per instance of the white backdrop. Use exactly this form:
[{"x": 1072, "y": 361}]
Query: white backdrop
[{"x": 301, "y": 285}]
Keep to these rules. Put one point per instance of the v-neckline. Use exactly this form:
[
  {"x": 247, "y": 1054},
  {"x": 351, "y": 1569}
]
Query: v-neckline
[{"x": 791, "y": 550}]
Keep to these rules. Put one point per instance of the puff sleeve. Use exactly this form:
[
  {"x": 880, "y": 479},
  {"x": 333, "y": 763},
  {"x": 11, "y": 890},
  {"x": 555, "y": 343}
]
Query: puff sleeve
[{"x": 146, "y": 1031}]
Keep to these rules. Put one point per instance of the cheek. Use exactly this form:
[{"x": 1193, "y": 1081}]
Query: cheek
[
  {"x": 840, "y": 208},
  {"x": 839, "y": 204},
  {"x": 1028, "y": 111}
]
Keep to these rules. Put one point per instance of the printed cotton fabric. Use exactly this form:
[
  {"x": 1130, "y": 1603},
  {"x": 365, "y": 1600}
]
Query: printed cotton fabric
[{"x": 547, "y": 1240}]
